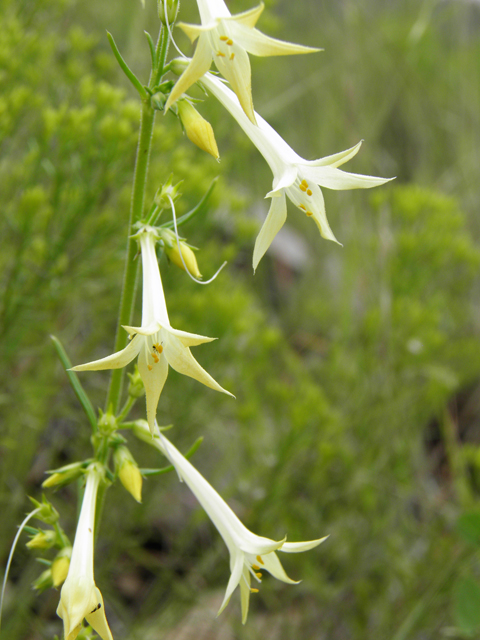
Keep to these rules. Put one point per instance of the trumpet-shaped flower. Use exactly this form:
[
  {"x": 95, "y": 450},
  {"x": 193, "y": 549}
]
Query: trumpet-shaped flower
[
  {"x": 80, "y": 597},
  {"x": 156, "y": 343},
  {"x": 293, "y": 176},
  {"x": 228, "y": 40},
  {"x": 249, "y": 554}
]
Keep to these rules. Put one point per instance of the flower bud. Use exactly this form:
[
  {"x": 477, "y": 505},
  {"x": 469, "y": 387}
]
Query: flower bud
[
  {"x": 43, "y": 540},
  {"x": 47, "y": 513},
  {"x": 107, "y": 423},
  {"x": 136, "y": 388},
  {"x": 171, "y": 7},
  {"x": 171, "y": 247},
  {"x": 198, "y": 130},
  {"x": 128, "y": 472},
  {"x": 162, "y": 195},
  {"x": 64, "y": 475},
  {"x": 60, "y": 566},
  {"x": 44, "y": 581}
]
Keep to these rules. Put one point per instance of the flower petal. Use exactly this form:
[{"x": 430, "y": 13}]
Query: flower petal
[
  {"x": 237, "y": 560},
  {"x": 286, "y": 179},
  {"x": 336, "y": 179},
  {"x": 116, "y": 360},
  {"x": 180, "y": 358},
  {"x": 97, "y": 619},
  {"x": 273, "y": 223},
  {"x": 272, "y": 564},
  {"x": 153, "y": 378},
  {"x": 336, "y": 159},
  {"x": 200, "y": 64},
  {"x": 149, "y": 330},
  {"x": 298, "y": 547},
  {"x": 245, "y": 593},
  {"x": 248, "y": 18},
  {"x": 189, "y": 339},
  {"x": 258, "y": 44}
]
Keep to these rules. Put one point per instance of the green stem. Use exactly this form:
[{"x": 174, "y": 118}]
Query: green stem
[
  {"x": 126, "y": 409},
  {"x": 127, "y": 300}
]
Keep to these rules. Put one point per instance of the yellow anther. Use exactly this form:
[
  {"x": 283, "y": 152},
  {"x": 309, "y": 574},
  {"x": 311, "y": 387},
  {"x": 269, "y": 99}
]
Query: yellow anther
[
  {"x": 229, "y": 42},
  {"x": 302, "y": 187},
  {"x": 155, "y": 357},
  {"x": 222, "y": 55},
  {"x": 259, "y": 575},
  {"x": 255, "y": 567},
  {"x": 259, "y": 559},
  {"x": 309, "y": 192},
  {"x": 252, "y": 590},
  {"x": 309, "y": 213},
  {"x": 224, "y": 38},
  {"x": 305, "y": 183},
  {"x": 157, "y": 347},
  {"x": 232, "y": 55},
  {"x": 302, "y": 206},
  {"x": 149, "y": 367}
]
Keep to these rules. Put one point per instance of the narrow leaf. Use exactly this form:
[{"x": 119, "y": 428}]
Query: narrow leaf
[
  {"x": 75, "y": 382},
  {"x": 151, "y": 47},
  {"x": 126, "y": 69}
]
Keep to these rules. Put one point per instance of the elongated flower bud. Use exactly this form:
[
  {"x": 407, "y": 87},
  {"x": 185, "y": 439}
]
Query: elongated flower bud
[
  {"x": 43, "y": 540},
  {"x": 198, "y": 130},
  {"x": 60, "y": 567},
  {"x": 128, "y": 472}
]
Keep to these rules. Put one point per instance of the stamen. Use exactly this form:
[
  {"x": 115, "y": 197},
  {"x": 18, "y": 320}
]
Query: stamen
[
  {"x": 252, "y": 590},
  {"x": 309, "y": 213},
  {"x": 302, "y": 187},
  {"x": 155, "y": 357},
  {"x": 232, "y": 56},
  {"x": 305, "y": 183},
  {"x": 302, "y": 206},
  {"x": 157, "y": 347},
  {"x": 224, "y": 38},
  {"x": 259, "y": 559},
  {"x": 309, "y": 192},
  {"x": 255, "y": 567},
  {"x": 229, "y": 42},
  {"x": 222, "y": 55},
  {"x": 149, "y": 367},
  {"x": 259, "y": 575}
]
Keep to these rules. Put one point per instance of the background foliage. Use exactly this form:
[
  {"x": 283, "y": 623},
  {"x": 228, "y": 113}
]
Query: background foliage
[{"x": 356, "y": 370}]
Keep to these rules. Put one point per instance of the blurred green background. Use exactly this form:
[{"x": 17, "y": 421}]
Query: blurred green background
[{"x": 356, "y": 369}]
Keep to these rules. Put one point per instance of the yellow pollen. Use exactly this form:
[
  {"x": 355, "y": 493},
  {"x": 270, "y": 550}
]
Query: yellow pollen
[
  {"x": 232, "y": 55},
  {"x": 157, "y": 347},
  {"x": 149, "y": 366},
  {"x": 255, "y": 567},
  {"x": 259, "y": 575},
  {"x": 252, "y": 590},
  {"x": 309, "y": 192},
  {"x": 302, "y": 206},
  {"x": 224, "y": 38},
  {"x": 305, "y": 183},
  {"x": 222, "y": 55},
  {"x": 259, "y": 559},
  {"x": 155, "y": 357},
  {"x": 229, "y": 42},
  {"x": 302, "y": 187},
  {"x": 309, "y": 213}
]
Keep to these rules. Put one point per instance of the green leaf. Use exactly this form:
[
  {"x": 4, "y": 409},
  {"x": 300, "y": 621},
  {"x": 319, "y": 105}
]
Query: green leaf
[
  {"x": 468, "y": 526},
  {"x": 75, "y": 382},
  {"x": 126, "y": 69},
  {"x": 200, "y": 208},
  {"x": 466, "y": 605},
  {"x": 189, "y": 454}
]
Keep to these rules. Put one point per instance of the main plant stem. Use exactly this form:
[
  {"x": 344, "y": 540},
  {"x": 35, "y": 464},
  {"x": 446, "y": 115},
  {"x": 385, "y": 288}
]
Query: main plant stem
[{"x": 127, "y": 299}]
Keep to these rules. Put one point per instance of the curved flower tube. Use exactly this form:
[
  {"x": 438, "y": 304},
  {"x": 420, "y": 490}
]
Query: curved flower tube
[
  {"x": 228, "y": 40},
  {"x": 80, "y": 597},
  {"x": 249, "y": 554},
  {"x": 156, "y": 343},
  {"x": 293, "y": 176}
]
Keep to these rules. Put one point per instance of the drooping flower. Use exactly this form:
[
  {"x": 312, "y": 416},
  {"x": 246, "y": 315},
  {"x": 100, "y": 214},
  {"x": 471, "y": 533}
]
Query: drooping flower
[
  {"x": 156, "y": 343},
  {"x": 249, "y": 554},
  {"x": 80, "y": 597},
  {"x": 293, "y": 176},
  {"x": 228, "y": 40}
]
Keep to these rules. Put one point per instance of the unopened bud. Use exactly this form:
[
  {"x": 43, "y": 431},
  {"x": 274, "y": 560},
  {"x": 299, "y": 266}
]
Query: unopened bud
[
  {"x": 198, "y": 130},
  {"x": 47, "y": 513},
  {"x": 135, "y": 388},
  {"x": 167, "y": 191},
  {"x": 60, "y": 567},
  {"x": 43, "y": 540},
  {"x": 128, "y": 472},
  {"x": 107, "y": 423},
  {"x": 171, "y": 7},
  {"x": 64, "y": 475},
  {"x": 188, "y": 255},
  {"x": 44, "y": 581}
]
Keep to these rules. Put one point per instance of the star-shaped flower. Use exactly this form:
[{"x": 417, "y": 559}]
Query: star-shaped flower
[
  {"x": 80, "y": 597},
  {"x": 156, "y": 343},
  {"x": 249, "y": 554},
  {"x": 293, "y": 176},
  {"x": 228, "y": 40}
]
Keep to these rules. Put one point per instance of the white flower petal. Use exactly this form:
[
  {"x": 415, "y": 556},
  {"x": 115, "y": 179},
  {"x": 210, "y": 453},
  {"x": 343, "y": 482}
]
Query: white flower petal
[
  {"x": 248, "y": 18},
  {"x": 148, "y": 330},
  {"x": 272, "y": 564},
  {"x": 97, "y": 619},
  {"x": 245, "y": 593},
  {"x": 273, "y": 223},
  {"x": 258, "y": 44},
  {"x": 336, "y": 159},
  {"x": 235, "y": 577},
  {"x": 116, "y": 360},
  {"x": 189, "y": 339},
  {"x": 199, "y": 65},
  {"x": 154, "y": 375},
  {"x": 298, "y": 547},
  {"x": 338, "y": 180}
]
